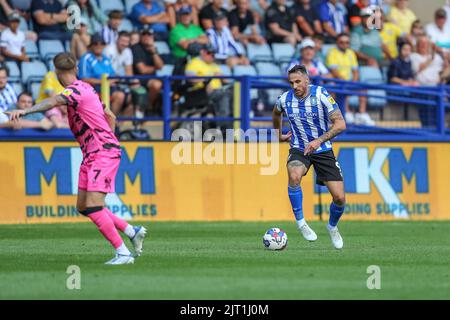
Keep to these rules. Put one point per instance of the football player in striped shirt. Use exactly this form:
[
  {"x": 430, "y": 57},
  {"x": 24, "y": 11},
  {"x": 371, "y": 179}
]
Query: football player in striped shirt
[{"x": 315, "y": 119}]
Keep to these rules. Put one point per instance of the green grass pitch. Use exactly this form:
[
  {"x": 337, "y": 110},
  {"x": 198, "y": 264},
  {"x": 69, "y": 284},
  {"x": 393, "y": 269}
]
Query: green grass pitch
[{"x": 226, "y": 260}]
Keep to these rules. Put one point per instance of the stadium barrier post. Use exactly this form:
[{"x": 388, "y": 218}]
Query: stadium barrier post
[
  {"x": 104, "y": 90},
  {"x": 236, "y": 109},
  {"x": 245, "y": 103},
  {"x": 441, "y": 110},
  {"x": 166, "y": 107}
]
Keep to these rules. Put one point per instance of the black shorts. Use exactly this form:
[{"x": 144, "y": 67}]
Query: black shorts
[{"x": 325, "y": 164}]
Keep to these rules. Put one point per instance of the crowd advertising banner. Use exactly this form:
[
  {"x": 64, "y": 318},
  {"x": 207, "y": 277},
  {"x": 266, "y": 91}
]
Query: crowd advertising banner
[{"x": 168, "y": 181}]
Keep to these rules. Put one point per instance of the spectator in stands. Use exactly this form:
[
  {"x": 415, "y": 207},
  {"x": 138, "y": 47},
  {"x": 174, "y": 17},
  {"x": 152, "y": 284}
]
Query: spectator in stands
[
  {"x": 417, "y": 31},
  {"x": 174, "y": 9},
  {"x": 400, "y": 71},
  {"x": 318, "y": 44},
  {"x": 333, "y": 18},
  {"x": 209, "y": 11},
  {"x": 80, "y": 40},
  {"x": 50, "y": 87},
  {"x": 242, "y": 19},
  {"x": 9, "y": 7},
  {"x": 150, "y": 12},
  {"x": 110, "y": 32},
  {"x": 402, "y": 16},
  {"x": 438, "y": 31},
  {"x": 185, "y": 33},
  {"x": 306, "y": 17},
  {"x": 391, "y": 35},
  {"x": 280, "y": 24},
  {"x": 354, "y": 13},
  {"x": 427, "y": 64},
  {"x": 49, "y": 20},
  {"x": 120, "y": 55},
  {"x": 134, "y": 38},
  {"x": 93, "y": 65},
  {"x": 307, "y": 58},
  {"x": 366, "y": 41},
  {"x": 8, "y": 96},
  {"x": 34, "y": 120},
  {"x": 91, "y": 13},
  {"x": 204, "y": 65},
  {"x": 343, "y": 64},
  {"x": 227, "y": 50},
  {"x": 12, "y": 40},
  {"x": 146, "y": 62}
]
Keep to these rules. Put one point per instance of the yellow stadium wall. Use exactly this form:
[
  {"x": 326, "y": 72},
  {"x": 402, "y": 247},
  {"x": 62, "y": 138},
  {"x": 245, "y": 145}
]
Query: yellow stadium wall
[{"x": 383, "y": 180}]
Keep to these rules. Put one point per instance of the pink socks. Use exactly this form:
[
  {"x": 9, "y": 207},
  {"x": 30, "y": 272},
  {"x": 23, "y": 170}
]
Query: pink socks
[
  {"x": 118, "y": 222},
  {"x": 107, "y": 226}
]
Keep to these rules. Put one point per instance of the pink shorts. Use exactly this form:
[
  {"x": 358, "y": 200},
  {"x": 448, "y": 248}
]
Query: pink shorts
[{"x": 99, "y": 174}]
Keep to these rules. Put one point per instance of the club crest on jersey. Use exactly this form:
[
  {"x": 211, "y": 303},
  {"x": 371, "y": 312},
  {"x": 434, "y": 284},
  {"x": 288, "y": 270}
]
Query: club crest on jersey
[
  {"x": 313, "y": 101},
  {"x": 288, "y": 104},
  {"x": 67, "y": 92}
]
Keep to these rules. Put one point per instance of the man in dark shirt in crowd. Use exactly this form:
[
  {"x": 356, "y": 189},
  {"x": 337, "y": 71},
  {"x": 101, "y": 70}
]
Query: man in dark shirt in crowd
[
  {"x": 280, "y": 24},
  {"x": 208, "y": 13},
  {"x": 49, "y": 18},
  {"x": 306, "y": 17},
  {"x": 145, "y": 62},
  {"x": 242, "y": 24},
  {"x": 400, "y": 71}
]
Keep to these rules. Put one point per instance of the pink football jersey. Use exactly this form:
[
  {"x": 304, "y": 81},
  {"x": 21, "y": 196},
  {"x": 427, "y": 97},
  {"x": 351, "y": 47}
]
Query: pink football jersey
[{"x": 87, "y": 119}]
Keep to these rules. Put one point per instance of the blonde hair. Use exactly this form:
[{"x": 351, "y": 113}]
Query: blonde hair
[{"x": 65, "y": 61}]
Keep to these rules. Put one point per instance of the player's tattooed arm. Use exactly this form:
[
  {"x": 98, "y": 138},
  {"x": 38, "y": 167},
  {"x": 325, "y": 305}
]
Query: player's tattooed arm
[
  {"x": 277, "y": 119},
  {"x": 337, "y": 127},
  {"x": 44, "y": 105}
]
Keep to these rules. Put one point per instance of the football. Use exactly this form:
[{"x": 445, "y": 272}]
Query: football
[{"x": 275, "y": 239}]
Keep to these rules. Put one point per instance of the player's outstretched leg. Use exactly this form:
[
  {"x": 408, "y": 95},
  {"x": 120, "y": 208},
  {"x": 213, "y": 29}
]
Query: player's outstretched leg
[
  {"x": 136, "y": 234},
  {"x": 105, "y": 225},
  {"x": 296, "y": 170},
  {"x": 337, "y": 208}
]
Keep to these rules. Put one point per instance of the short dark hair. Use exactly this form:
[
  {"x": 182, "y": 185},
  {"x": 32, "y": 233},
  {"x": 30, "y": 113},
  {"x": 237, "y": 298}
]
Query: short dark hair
[
  {"x": 123, "y": 34},
  {"x": 25, "y": 93},
  {"x": 298, "y": 68},
  {"x": 115, "y": 14},
  {"x": 4, "y": 67},
  {"x": 319, "y": 37},
  {"x": 343, "y": 34}
]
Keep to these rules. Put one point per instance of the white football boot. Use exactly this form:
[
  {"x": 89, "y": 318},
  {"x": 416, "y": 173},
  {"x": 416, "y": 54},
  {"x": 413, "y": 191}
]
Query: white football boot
[
  {"x": 336, "y": 238},
  {"x": 307, "y": 232},
  {"x": 121, "y": 259},
  {"x": 138, "y": 239}
]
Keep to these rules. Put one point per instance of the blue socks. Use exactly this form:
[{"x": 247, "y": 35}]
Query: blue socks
[
  {"x": 296, "y": 197},
  {"x": 335, "y": 214}
]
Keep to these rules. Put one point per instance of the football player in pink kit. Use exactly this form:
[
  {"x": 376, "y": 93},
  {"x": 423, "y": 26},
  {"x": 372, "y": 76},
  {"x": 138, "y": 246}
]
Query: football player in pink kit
[{"x": 93, "y": 127}]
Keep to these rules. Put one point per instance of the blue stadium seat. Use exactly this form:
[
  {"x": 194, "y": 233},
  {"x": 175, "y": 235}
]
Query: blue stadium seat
[
  {"x": 257, "y": 53},
  {"x": 23, "y": 26},
  {"x": 33, "y": 71},
  {"x": 244, "y": 70},
  {"x": 67, "y": 45},
  {"x": 129, "y": 5},
  {"x": 267, "y": 69},
  {"x": 166, "y": 70},
  {"x": 370, "y": 75},
  {"x": 31, "y": 49},
  {"x": 34, "y": 90},
  {"x": 108, "y": 5},
  {"x": 18, "y": 87},
  {"x": 282, "y": 52},
  {"x": 50, "y": 48},
  {"x": 225, "y": 70},
  {"x": 14, "y": 72},
  {"x": 126, "y": 25},
  {"x": 162, "y": 47}
]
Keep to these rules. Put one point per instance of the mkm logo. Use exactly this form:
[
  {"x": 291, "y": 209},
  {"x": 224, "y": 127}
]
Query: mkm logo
[
  {"x": 359, "y": 171},
  {"x": 64, "y": 162}
]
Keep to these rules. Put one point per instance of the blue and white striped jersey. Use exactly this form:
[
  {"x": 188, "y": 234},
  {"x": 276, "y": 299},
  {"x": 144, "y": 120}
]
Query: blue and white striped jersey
[
  {"x": 308, "y": 117},
  {"x": 8, "y": 97}
]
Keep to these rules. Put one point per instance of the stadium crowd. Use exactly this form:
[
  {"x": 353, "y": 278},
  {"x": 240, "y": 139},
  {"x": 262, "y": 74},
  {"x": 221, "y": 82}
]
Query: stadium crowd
[{"x": 332, "y": 38}]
